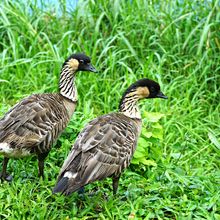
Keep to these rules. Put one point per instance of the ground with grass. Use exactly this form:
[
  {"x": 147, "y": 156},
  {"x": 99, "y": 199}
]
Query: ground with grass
[{"x": 176, "y": 43}]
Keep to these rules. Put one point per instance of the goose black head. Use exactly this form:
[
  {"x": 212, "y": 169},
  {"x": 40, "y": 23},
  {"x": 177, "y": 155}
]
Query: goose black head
[
  {"x": 146, "y": 88},
  {"x": 80, "y": 62}
]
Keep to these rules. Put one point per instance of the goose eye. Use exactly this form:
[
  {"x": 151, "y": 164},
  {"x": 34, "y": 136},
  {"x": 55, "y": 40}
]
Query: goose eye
[
  {"x": 152, "y": 89},
  {"x": 81, "y": 61}
]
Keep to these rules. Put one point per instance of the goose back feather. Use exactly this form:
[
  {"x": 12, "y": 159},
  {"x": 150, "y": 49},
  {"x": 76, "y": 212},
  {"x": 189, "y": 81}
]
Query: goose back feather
[{"x": 104, "y": 148}]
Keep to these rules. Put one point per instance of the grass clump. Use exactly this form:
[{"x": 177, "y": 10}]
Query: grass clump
[{"x": 176, "y": 43}]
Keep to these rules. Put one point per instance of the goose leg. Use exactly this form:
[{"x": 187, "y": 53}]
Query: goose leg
[
  {"x": 41, "y": 158},
  {"x": 3, "y": 174},
  {"x": 115, "y": 181},
  {"x": 81, "y": 190}
]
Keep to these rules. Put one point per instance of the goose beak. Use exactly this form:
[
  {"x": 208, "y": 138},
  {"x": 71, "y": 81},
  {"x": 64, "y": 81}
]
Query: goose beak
[
  {"x": 161, "y": 95},
  {"x": 91, "y": 68}
]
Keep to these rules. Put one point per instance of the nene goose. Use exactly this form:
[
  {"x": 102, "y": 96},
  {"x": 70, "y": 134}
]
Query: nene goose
[
  {"x": 34, "y": 124},
  {"x": 106, "y": 145}
]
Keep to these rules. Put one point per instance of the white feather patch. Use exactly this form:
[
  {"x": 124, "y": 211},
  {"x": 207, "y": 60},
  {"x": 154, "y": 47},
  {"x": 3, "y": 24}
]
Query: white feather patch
[
  {"x": 6, "y": 150},
  {"x": 70, "y": 175}
]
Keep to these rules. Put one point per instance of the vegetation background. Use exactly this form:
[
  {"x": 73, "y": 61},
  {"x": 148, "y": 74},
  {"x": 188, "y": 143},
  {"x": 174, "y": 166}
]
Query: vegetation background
[{"x": 175, "y": 42}]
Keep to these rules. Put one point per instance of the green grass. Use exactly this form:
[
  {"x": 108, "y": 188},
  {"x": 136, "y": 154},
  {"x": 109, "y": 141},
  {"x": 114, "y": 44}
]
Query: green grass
[{"x": 176, "y": 43}]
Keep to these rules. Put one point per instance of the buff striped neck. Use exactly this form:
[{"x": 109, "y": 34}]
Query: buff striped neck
[
  {"x": 128, "y": 106},
  {"x": 66, "y": 85}
]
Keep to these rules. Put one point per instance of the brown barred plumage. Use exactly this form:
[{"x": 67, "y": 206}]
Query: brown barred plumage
[
  {"x": 35, "y": 123},
  {"x": 105, "y": 147}
]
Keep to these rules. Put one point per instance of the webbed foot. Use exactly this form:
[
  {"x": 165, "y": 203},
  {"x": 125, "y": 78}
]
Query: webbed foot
[{"x": 6, "y": 177}]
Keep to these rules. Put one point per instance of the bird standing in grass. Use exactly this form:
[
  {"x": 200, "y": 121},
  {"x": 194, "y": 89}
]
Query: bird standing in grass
[
  {"x": 34, "y": 124},
  {"x": 106, "y": 145}
]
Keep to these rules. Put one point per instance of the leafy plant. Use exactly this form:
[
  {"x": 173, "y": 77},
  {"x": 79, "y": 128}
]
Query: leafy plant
[{"x": 151, "y": 135}]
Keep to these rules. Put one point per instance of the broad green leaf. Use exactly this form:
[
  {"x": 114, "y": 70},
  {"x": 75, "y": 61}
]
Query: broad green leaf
[
  {"x": 138, "y": 154},
  {"x": 143, "y": 150},
  {"x": 148, "y": 162},
  {"x": 135, "y": 161},
  {"x": 153, "y": 116},
  {"x": 157, "y": 125},
  {"x": 153, "y": 140},
  {"x": 146, "y": 133},
  {"x": 158, "y": 133},
  {"x": 66, "y": 143},
  {"x": 143, "y": 142}
]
